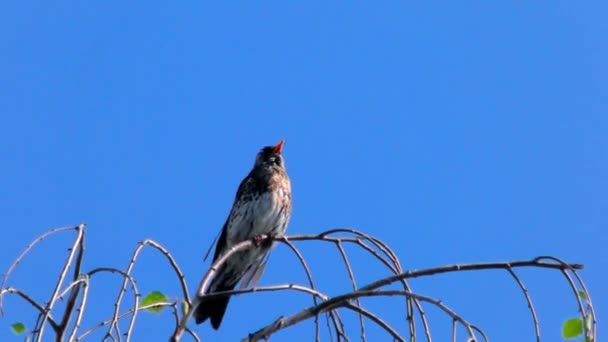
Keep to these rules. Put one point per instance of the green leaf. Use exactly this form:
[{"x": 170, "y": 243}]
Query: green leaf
[
  {"x": 153, "y": 298},
  {"x": 583, "y": 294},
  {"x": 18, "y": 328},
  {"x": 572, "y": 328}
]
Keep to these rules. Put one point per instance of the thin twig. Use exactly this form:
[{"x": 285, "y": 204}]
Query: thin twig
[
  {"x": 310, "y": 283},
  {"x": 339, "y": 301},
  {"x": 529, "y": 301},
  {"x": 272, "y": 288},
  {"x": 395, "y": 268},
  {"x": 466, "y": 267},
  {"x": 181, "y": 278},
  {"x": 78, "y": 291},
  {"x": 200, "y": 291},
  {"x": 589, "y": 305},
  {"x": 25, "y": 251},
  {"x": 564, "y": 269},
  {"x": 71, "y": 302},
  {"x": 80, "y": 230},
  {"x": 130, "y": 281},
  {"x": 483, "y": 334},
  {"x": 83, "y": 301},
  {"x": 376, "y": 320},
  {"x": 180, "y": 275},
  {"x": 27, "y": 298},
  {"x": 388, "y": 252},
  {"x": 121, "y": 316},
  {"x": 353, "y": 281}
]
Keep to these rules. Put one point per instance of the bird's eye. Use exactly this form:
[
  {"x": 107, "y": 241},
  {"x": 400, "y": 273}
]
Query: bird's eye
[{"x": 274, "y": 160}]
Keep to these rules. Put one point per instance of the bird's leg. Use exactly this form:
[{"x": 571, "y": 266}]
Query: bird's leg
[
  {"x": 263, "y": 240},
  {"x": 259, "y": 239}
]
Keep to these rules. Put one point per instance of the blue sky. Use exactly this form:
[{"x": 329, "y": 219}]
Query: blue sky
[{"x": 456, "y": 131}]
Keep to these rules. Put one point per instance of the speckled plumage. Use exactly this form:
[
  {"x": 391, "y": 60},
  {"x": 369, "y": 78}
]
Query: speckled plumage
[{"x": 262, "y": 206}]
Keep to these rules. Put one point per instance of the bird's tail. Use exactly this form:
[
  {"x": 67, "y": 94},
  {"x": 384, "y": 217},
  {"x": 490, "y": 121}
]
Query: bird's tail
[{"x": 213, "y": 308}]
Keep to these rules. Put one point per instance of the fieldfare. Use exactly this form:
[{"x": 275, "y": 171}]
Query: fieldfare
[{"x": 262, "y": 206}]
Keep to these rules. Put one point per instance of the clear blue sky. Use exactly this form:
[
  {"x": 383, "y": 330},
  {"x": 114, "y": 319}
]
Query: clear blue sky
[{"x": 455, "y": 131}]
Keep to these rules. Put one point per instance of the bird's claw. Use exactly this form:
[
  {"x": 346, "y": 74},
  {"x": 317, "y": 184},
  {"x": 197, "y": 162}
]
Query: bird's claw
[
  {"x": 262, "y": 240},
  {"x": 258, "y": 240}
]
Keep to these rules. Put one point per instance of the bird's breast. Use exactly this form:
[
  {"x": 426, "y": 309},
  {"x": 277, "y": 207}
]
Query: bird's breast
[{"x": 263, "y": 213}]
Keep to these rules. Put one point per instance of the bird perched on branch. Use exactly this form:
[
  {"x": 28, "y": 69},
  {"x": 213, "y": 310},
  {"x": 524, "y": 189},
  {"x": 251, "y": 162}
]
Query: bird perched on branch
[{"x": 262, "y": 206}]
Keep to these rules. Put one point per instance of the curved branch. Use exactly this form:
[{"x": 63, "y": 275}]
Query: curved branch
[
  {"x": 71, "y": 302},
  {"x": 178, "y": 271},
  {"x": 529, "y": 301},
  {"x": 80, "y": 230},
  {"x": 26, "y": 251},
  {"x": 200, "y": 291},
  {"x": 129, "y": 279},
  {"x": 465, "y": 267},
  {"x": 78, "y": 290},
  {"x": 123, "y": 315},
  {"x": 180, "y": 274},
  {"x": 27, "y": 298},
  {"x": 85, "y": 293},
  {"x": 353, "y": 282},
  {"x": 485, "y": 337},
  {"x": 272, "y": 288},
  {"x": 376, "y": 320},
  {"x": 564, "y": 267},
  {"x": 336, "y": 320},
  {"x": 395, "y": 267},
  {"x": 341, "y": 301}
]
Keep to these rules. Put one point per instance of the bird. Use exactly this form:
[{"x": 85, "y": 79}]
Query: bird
[{"x": 262, "y": 205}]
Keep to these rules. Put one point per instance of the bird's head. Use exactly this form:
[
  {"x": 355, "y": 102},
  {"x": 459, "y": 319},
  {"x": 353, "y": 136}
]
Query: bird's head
[{"x": 270, "y": 156}]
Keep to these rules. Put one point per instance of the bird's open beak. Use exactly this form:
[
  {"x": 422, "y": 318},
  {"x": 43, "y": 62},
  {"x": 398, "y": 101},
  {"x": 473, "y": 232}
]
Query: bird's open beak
[{"x": 279, "y": 147}]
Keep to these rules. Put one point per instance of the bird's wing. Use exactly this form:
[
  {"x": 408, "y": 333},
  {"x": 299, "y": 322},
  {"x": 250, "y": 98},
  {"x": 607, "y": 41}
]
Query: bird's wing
[
  {"x": 222, "y": 242},
  {"x": 219, "y": 234},
  {"x": 253, "y": 274},
  {"x": 250, "y": 186}
]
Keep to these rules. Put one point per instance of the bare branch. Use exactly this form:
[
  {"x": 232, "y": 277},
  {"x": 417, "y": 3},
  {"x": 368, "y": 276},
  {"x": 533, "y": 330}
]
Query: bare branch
[
  {"x": 85, "y": 293},
  {"x": 180, "y": 275},
  {"x": 312, "y": 286},
  {"x": 272, "y": 288},
  {"x": 77, "y": 291},
  {"x": 80, "y": 230},
  {"x": 32, "y": 302},
  {"x": 127, "y": 278},
  {"x": 392, "y": 264},
  {"x": 529, "y": 301},
  {"x": 123, "y": 315},
  {"x": 465, "y": 267},
  {"x": 483, "y": 334},
  {"x": 376, "y": 319},
  {"x": 340, "y": 301},
  {"x": 69, "y": 308},
  {"x": 564, "y": 267},
  {"x": 25, "y": 252},
  {"x": 200, "y": 291},
  {"x": 351, "y": 276}
]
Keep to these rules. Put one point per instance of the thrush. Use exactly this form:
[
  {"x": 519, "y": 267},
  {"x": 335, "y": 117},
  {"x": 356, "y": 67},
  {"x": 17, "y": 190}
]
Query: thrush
[{"x": 262, "y": 206}]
